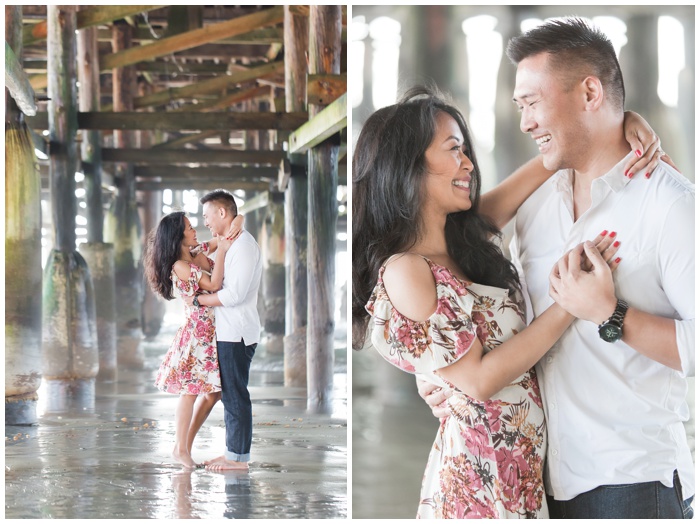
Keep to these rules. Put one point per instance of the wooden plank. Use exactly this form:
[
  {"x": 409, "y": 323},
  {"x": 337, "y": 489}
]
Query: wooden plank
[
  {"x": 180, "y": 121},
  {"x": 257, "y": 202},
  {"x": 203, "y": 185},
  {"x": 324, "y": 125},
  {"x": 179, "y": 172},
  {"x": 213, "y": 85},
  {"x": 88, "y": 17},
  {"x": 229, "y": 100},
  {"x": 187, "y": 139},
  {"x": 323, "y": 89},
  {"x": 17, "y": 83},
  {"x": 189, "y": 156},
  {"x": 211, "y": 33}
]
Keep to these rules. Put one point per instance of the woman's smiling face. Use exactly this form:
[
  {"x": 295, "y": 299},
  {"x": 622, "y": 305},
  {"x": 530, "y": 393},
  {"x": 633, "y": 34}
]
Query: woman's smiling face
[{"x": 448, "y": 169}]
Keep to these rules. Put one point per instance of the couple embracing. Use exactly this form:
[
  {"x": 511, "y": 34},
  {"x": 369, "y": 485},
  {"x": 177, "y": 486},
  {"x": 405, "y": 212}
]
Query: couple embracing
[
  {"x": 211, "y": 355},
  {"x": 577, "y": 413}
]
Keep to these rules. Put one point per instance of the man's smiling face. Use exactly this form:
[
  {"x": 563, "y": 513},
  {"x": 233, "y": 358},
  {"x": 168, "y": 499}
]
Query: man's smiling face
[{"x": 551, "y": 107}]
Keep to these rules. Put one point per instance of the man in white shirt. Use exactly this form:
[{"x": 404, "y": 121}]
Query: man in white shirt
[
  {"x": 614, "y": 385},
  {"x": 614, "y": 395},
  {"x": 237, "y": 328}
]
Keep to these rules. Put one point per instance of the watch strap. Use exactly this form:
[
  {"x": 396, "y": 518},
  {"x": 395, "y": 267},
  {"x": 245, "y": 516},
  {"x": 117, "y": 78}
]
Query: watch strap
[{"x": 618, "y": 315}]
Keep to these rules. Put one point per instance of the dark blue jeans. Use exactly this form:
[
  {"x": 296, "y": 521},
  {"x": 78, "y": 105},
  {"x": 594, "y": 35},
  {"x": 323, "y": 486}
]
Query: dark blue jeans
[
  {"x": 647, "y": 500},
  {"x": 234, "y": 367}
]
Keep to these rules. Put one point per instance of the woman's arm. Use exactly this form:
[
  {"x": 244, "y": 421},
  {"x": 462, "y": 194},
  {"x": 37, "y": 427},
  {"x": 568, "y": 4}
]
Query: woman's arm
[
  {"x": 481, "y": 375},
  {"x": 216, "y": 280},
  {"x": 233, "y": 233},
  {"x": 478, "y": 374},
  {"x": 502, "y": 202}
]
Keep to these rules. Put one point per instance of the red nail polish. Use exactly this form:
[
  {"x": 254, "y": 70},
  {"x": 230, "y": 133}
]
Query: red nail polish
[
  {"x": 648, "y": 175},
  {"x": 617, "y": 260},
  {"x": 627, "y": 173},
  {"x": 638, "y": 152},
  {"x": 613, "y": 234},
  {"x": 604, "y": 233},
  {"x": 616, "y": 243}
]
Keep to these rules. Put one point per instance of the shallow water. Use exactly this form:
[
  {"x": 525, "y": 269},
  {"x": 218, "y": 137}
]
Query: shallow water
[{"x": 111, "y": 458}]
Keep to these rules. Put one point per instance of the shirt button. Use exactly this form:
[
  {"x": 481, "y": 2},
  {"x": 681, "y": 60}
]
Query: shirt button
[
  {"x": 549, "y": 360},
  {"x": 553, "y": 405},
  {"x": 555, "y": 452}
]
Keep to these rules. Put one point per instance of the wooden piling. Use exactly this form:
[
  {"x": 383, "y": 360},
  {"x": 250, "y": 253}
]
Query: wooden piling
[
  {"x": 70, "y": 349},
  {"x": 22, "y": 254},
  {"x": 272, "y": 243},
  {"x": 98, "y": 255},
  {"x": 122, "y": 225},
  {"x": 296, "y": 45},
  {"x": 325, "y": 28}
]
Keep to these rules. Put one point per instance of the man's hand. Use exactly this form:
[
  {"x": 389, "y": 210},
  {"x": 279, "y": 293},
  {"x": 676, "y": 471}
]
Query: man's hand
[
  {"x": 435, "y": 397},
  {"x": 588, "y": 295}
]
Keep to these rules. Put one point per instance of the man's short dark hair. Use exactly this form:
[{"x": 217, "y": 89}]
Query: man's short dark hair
[
  {"x": 223, "y": 198},
  {"x": 576, "y": 48}
]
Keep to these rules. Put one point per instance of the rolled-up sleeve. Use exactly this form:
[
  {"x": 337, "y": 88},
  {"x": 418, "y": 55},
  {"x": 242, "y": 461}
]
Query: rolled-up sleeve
[
  {"x": 676, "y": 253},
  {"x": 239, "y": 271}
]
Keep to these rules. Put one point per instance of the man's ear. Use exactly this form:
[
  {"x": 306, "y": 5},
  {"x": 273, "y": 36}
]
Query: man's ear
[{"x": 594, "y": 92}]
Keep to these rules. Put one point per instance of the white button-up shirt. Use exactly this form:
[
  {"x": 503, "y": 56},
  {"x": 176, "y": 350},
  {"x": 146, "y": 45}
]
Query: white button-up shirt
[
  {"x": 613, "y": 415},
  {"x": 238, "y": 319}
]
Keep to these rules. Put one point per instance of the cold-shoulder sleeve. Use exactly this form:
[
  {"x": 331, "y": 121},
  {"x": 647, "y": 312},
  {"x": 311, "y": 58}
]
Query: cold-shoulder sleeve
[{"x": 423, "y": 347}]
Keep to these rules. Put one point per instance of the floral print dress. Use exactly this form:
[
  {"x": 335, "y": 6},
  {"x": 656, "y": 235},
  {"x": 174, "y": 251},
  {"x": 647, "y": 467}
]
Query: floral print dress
[
  {"x": 488, "y": 457},
  {"x": 191, "y": 365}
]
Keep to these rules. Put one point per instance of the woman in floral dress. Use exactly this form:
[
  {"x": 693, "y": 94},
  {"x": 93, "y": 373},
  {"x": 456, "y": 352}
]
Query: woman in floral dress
[
  {"x": 177, "y": 265},
  {"x": 436, "y": 297}
]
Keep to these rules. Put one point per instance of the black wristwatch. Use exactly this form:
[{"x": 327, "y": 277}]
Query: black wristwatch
[
  {"x": 195, "y": 302},
  {"x": 611, "y": 329}
]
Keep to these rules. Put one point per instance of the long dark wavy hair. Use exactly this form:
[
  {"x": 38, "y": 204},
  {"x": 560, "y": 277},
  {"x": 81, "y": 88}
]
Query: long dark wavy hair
[
  {"x": 162, "y": 251},
  {"x": 387, "y": 195}
]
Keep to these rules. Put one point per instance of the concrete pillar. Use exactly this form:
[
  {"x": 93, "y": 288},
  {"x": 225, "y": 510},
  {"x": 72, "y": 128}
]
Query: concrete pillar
[
  {"x": 98, "y": 255},
  {"x": 122, "y": 225},
  {"x": 22, "y": 254},
  {"x": 324, "y": 58},
  {"x": 69, "y": 351},
  {"x": 272, "y": 240},
  {"x": 296, "y": 208}
]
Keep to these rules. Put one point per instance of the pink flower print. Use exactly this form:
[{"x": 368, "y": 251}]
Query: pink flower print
[
  {"x": 493, "y": 411},
  {"x": 201, "y": 330},
  {"x": 465, "y": 338},
  {"x": 477, "y": 441},
  {"x": 210, "y": 351},
  {"x": 510, "y": 465},
  {"x": 445, "y": 309},
  {"x": 209, "y": 366},
  {"x": 193, "y": 389}
]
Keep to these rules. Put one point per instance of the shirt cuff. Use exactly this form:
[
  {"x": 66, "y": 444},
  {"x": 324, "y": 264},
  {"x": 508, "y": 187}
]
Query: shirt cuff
[{"x": 685, "y": 341}]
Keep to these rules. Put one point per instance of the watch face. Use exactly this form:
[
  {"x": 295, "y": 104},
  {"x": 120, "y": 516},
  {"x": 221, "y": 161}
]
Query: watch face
[{"x": 610, "y": 332}]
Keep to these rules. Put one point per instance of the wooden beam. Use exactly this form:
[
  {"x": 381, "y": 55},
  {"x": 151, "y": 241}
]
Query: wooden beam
[
  {"x": 211, "y": 33},
  {"x": 323, "y": 89},
  {"x": 180, "y": 121},
  {"x": 88, "y": 17},
  {"x": 213, "y": 85},
  {"x": 187, "y": 139},
  {"x": 257, "y": 202},
  {"x": 229, "y": 100},
  {"x": 201, "y": 184},
  {"x": 324, "y": 125},
  {"x": 189, "y": 156},
  {"x": 18, "y": 84},
  {"x": 172, "y": 172}
]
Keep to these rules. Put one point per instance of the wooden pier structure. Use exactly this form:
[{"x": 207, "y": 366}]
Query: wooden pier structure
[{"x": 111, "y": 108}]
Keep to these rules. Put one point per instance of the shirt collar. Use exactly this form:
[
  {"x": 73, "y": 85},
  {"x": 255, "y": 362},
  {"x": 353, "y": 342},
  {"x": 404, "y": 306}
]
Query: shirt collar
[{"x": 615, "y": 178}]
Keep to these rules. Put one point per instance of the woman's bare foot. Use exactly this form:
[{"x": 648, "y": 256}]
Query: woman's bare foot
[
  {"x": 184, "y": 458},
  {"x": 221, "y": 463}
]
